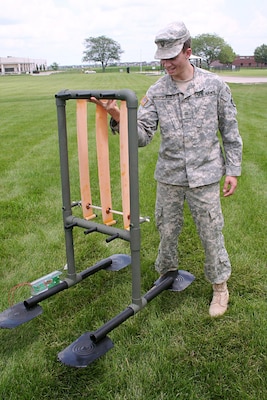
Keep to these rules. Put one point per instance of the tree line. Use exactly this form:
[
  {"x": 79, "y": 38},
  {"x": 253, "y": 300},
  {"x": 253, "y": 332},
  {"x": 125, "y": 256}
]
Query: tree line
[{"x": 210, "y": 47}]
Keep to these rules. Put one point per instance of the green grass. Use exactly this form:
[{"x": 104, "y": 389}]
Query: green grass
[
  {"x": 171, "y": 349},
  {"x": 245, "y": 72}
]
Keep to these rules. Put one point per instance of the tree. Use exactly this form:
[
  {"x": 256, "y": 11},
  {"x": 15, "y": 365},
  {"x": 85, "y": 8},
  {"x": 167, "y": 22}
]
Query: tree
[
  {"x": 102, "y": 49},
  {"x": 260, "y": 54},
  {"x": 54, "y": 66},
  {"x": 212, "y": 48},
  {"x": 227, "y": 55}
]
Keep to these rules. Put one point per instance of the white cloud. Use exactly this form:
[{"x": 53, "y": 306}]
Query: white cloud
[{"x": 56, "y": 29}]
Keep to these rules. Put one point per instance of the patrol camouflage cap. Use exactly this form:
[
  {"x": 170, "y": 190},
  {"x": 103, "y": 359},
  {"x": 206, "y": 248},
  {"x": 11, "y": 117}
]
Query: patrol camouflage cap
[{"x": 170, "y": 40}]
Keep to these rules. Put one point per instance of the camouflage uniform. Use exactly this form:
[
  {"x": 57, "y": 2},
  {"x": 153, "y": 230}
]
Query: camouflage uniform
[{"x": 191, "y": 162}]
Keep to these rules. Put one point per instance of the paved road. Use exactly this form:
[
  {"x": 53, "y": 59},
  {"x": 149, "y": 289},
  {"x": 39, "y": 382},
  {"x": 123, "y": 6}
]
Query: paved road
[{"x": 240, "y": 79}]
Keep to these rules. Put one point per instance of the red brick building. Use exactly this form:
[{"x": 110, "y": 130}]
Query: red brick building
[
  {"x": 246, "y": 62},
  {"x": 239, "y": 62}
]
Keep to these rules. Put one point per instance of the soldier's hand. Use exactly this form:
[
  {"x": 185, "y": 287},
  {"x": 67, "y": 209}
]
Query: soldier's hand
[
  {"x": 109, "y": 105},
  {"x": 229, "y": 186}
]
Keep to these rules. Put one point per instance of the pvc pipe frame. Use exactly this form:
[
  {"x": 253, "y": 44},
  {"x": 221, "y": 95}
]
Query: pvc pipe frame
[
  {"x": 133, "y": 234},
  {"x": 34, "y": 300},
  {"x": 129, "y": 311}
]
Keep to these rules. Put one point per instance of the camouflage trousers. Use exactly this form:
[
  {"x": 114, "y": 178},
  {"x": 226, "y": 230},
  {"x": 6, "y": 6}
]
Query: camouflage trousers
[{"x": 205, "y": 206}]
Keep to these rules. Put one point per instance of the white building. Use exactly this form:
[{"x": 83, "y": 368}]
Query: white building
[
  {"x": 197, "y": 61},
  {"x": 20, "y": 65}
]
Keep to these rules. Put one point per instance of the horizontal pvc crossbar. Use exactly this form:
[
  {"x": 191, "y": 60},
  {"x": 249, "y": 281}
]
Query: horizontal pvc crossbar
[{"x": 125, "y": 94}]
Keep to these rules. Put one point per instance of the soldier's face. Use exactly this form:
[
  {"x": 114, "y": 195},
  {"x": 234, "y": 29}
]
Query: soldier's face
[{"x": 174, "y": 66}]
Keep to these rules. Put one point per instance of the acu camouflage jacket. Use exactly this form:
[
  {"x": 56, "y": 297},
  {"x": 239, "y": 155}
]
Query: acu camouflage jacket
[{"x": 200, "y": 141}]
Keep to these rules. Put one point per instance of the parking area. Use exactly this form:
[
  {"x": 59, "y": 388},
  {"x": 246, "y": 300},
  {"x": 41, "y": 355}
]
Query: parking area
[{"x": 247, "y": 80}]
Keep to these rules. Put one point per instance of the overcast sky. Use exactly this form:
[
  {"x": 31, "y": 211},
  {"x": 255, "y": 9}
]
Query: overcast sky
[{"x": 55, "y": 29}]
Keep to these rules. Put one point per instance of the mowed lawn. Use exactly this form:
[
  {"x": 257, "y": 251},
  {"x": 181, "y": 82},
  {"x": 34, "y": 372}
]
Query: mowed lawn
[{"x": 171, "y": 349}]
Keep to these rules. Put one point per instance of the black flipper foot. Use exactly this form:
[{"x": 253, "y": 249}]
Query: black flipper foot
[
  {"x": 181, "y": 280},
  {"x": 18, "y": 315},
  {"x": 84, "y": 351},
  {"x": 119, "y": 261}
]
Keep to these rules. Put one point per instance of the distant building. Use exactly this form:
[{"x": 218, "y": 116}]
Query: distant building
[
  {"x": 246, "y": 62},
  {"x": 19, "y": 65},
  {"x": 239, "y": 62}
]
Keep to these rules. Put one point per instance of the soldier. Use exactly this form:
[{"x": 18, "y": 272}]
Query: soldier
[{"x": 190, "y": 105}]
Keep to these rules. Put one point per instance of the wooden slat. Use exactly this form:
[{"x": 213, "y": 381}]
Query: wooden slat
[
  {"x": 103, "y": 164},
  {"x": 82, "y": 137}
]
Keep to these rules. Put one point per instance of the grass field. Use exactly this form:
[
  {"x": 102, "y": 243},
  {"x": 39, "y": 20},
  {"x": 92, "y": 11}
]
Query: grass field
[
  {"x": 171, "y": 349},
  {"x": 245, "y": 72}
]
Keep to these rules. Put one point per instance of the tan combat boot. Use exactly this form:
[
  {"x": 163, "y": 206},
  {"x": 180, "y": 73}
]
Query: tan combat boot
[{"x": 220, "y": 299}]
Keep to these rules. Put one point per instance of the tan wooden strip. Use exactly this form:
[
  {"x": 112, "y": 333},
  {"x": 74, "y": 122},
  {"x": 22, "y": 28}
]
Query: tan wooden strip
[
  {"x": 103, "y": 165},
  {"x": 82, "y": 137}
]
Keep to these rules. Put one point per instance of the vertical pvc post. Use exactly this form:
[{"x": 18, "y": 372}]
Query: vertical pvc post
[
  {"x": 124, "y": 164},
  {"x": 65, "y": 184},
  {"x": 134, "y": 200}
]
